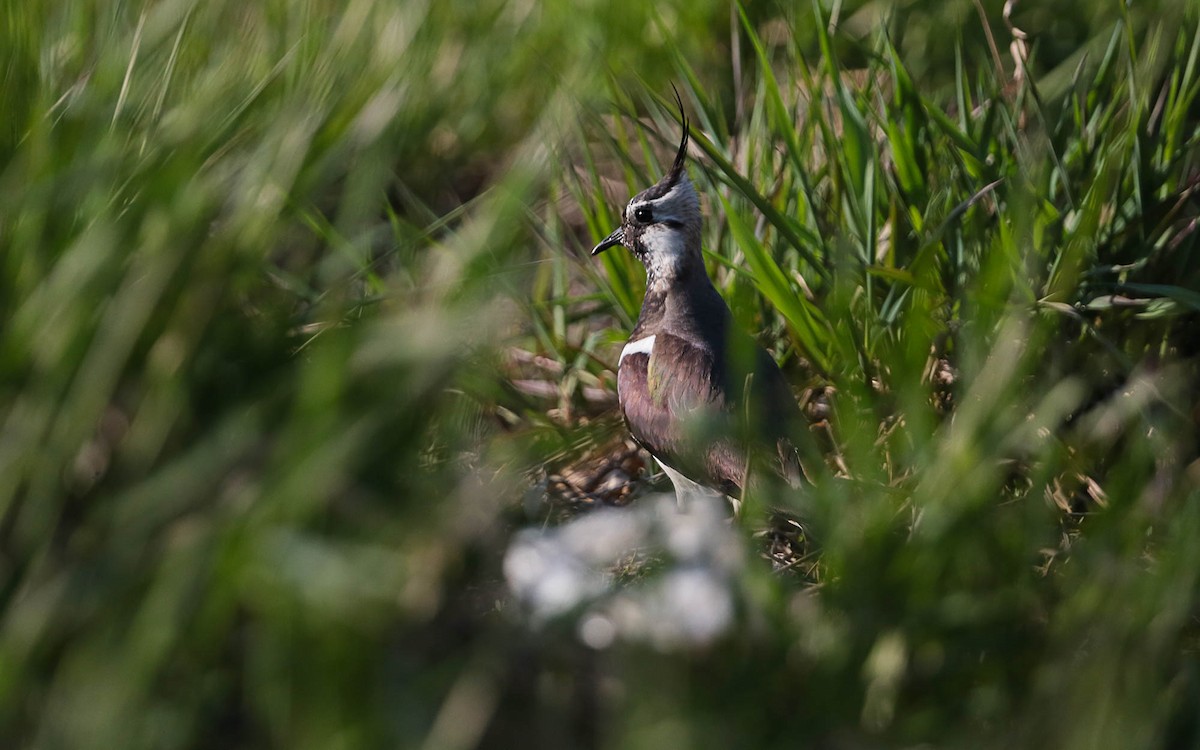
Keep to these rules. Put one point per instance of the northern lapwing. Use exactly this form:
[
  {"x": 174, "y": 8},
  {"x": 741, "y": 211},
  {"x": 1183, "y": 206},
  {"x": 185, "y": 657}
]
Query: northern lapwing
[{"x": 703, "y": 398}]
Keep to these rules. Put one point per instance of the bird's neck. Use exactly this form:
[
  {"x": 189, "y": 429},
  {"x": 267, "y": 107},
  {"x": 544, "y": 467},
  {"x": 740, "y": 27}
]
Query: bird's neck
[{"x": 684, "y": 302}]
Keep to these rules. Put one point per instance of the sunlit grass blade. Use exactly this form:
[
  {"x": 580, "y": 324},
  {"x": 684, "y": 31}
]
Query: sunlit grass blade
[{"x": 805, "y": 320}]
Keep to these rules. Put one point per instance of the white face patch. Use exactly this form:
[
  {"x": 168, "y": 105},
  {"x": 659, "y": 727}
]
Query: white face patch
[
  {"x": 667, "y": 251},
  {"x": 641, "y": 346}
]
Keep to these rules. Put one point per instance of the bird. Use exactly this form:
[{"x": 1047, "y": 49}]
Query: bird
[{"x": 702, "y": 397}]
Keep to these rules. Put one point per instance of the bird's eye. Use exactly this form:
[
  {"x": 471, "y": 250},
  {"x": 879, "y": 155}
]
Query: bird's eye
[{"x": 643, "y": 214}]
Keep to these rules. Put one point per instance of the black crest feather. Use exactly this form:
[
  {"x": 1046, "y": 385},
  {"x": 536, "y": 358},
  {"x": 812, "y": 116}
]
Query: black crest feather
[
  {"x": 663, "y": 186},
  {"x": 680, "y": 156}
]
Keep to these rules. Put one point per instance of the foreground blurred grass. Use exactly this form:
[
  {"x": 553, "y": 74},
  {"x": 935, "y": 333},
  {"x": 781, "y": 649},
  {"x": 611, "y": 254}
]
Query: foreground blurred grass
[{"x": 260, "y": 459}]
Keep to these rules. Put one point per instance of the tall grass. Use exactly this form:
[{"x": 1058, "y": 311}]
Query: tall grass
[{"x": 297, "y": 314}]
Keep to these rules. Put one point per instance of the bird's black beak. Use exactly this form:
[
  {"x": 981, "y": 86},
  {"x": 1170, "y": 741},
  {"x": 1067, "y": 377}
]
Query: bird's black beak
[{"x": 616, "y": 238}]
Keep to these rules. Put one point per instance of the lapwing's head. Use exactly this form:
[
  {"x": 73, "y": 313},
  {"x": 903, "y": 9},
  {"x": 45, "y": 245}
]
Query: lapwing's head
[{"x": 661, "y": 224}]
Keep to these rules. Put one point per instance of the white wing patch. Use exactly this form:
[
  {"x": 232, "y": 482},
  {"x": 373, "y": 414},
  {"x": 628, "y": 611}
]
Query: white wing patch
[{"x": 641, "y": 346}]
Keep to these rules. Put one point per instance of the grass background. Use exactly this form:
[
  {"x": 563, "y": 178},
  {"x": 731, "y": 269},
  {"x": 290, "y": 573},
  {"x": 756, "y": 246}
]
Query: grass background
[{"x": 297, "y": 316}]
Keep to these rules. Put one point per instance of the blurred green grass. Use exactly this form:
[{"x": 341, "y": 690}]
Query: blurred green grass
[{"x": 264, "y": 269}]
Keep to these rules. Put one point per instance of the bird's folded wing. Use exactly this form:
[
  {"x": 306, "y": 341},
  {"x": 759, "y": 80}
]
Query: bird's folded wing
[
  {"x": 780, "y": 422},
  {"x": 671, "y": 397}
]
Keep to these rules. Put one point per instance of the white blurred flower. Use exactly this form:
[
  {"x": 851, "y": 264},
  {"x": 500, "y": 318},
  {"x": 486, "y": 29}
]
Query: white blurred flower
[
  {"x": 689, "y": 603},
  {"x": 544, "y": 574}
]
